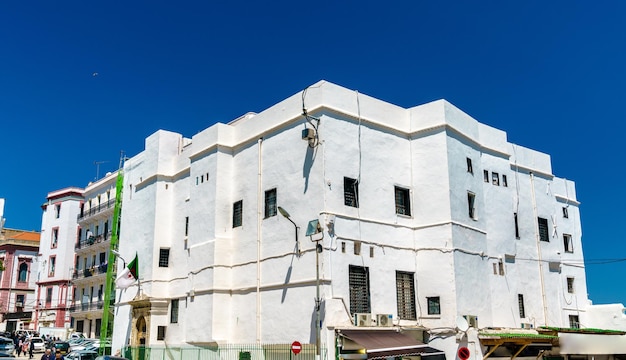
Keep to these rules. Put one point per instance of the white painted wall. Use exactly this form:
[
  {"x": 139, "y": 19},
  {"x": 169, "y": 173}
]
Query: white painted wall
[{"x": 249, "y": 283}]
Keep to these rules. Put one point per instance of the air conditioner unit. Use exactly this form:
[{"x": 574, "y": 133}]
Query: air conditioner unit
[
  {"x": 19, "y": 304},
  {"x": 384, "y": 319},
  {"x": 362, "y": 319},
  {"x": 527, "y": 326},
  {"x": 472, "y": 320}
]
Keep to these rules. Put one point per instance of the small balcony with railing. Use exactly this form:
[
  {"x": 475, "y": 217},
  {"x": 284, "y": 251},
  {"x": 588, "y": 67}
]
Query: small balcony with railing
[
  {"x": 90, "y": 274},
  {"x": 82, "y": 308},
  {"x": 93, "y": 242},
  {"x": 99, "y": 210}
]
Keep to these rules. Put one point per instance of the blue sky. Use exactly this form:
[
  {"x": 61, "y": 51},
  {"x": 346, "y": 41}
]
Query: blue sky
[{"x": 550, "y": 74}]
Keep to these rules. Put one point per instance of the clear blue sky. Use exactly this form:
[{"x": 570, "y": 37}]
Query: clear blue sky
[{"x": 549, "y": 73}]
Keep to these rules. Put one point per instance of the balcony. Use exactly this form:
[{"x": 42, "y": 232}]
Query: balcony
[
  {"x": 94, "y": 271},
  {"x": 96, "y": 209},
  {"x": 92, "y": 240}
]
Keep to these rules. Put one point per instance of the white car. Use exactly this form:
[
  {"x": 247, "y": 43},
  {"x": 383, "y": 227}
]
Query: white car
[{"x": 39, "y": 344}]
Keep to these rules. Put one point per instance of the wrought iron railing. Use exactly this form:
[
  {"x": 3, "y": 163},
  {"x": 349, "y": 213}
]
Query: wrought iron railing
[
  {"x": 91, "y": 240},
  {"x": 90, "y": 271},
  {"x": 96, "y": 209}
]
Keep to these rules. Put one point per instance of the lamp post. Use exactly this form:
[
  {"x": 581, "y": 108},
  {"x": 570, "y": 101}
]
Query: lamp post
[
  {"x": 118, "y": 255},
  {"x": 286, "y": 215}
]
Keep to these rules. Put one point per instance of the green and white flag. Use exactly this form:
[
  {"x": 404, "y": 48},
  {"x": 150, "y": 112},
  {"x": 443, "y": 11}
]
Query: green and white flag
[{"x": 129, "y": 275}]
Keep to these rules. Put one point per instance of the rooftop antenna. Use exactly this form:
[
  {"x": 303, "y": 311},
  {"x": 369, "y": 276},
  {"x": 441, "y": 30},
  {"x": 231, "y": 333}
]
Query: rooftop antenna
[{"x": 97, "y": 163}]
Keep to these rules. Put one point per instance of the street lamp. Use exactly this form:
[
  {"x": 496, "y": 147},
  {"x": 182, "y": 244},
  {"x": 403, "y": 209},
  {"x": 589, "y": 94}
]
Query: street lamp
[
  {"x": 286, "y": 215},
  {"x": 117, "y": 254}
]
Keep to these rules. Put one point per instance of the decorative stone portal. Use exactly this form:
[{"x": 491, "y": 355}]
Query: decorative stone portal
[{"x": 143, "y": 308}]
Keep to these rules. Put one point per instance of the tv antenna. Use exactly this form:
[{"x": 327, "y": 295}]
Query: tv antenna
[{"x": 97, "y": 163}]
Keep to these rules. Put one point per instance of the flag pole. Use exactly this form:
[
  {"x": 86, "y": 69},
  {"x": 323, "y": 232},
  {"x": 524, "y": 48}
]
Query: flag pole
[{"x": 106, "y": 329}]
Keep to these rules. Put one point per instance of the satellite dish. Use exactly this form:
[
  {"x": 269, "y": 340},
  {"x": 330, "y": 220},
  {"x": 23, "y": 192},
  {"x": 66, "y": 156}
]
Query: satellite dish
[{"x": 461, "y": 323}]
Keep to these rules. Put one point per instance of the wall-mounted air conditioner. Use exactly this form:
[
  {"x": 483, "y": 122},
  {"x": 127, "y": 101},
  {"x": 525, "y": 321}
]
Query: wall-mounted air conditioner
[
  {"x": 384, "y": 320},
  {"x": 527, "y": 326},
  {"x": 472, "y": 320},
  {"x": 19, "y": 304},
  {"x": 362, "y": 319}
]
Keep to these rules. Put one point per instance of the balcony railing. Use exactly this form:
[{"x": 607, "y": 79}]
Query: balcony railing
[
  {"x": 90, "y": 271},
  {"x": 92, "y": 240},
  {"x": 96, "y": 209},
  {"x": 87, "y": 306}
]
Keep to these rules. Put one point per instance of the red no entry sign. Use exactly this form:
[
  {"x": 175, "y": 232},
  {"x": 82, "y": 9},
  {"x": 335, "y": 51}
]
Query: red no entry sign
[
  {"x": 296, "y": 347},
  {"x": 463, "y": 353}
]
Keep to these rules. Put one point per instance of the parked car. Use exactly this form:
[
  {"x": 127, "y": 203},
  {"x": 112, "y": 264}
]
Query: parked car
[
  {"x": 6, "y": 345},
  {"x": 110, "y": 357},
  {"x": 62, "y": 346},
  {"x": 39, "y": 344},
  {"x": 82, "y": 355},
  {"x": 7, "y": 356}
]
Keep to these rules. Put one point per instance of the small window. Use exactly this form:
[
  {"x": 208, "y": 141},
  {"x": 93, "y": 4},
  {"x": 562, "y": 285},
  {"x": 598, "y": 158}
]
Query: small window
[
  {"x": 161, "y": 332},
  {"x": 57, "y": 211},
  {"x": 568, "y": 246},
  {"x": 351, "y": 192},
  {"x": 174, "y": 311},
  {"x": 565, "y": 212},
  {"x": 574, "y": 322},
  {"x": 570, "y": 285},
  {"x": 486, "y": 176},
  {"x": 270, "y": 203},
  {"x": 237, "y": 213},
  {"x": 52, "y": 266},
  {"x": 516, "y": 225},
  {"x": 495, "y": 178},
  {"x": 403, "y": 202},
  {"x": 55, "y": 237},
  {"x": 23, "y": 272},
  {"x": 471, "y": 200},
  {"x": 164, "y": 257},
  {"x": 520, "y": 303},
  {"x": 359, "y": 285},
  {"x": 48, "y": 295},
  {"x": 470, "y": 169},
  {"x": 186, "y": 225},
  {"x": 501, "y": 268},
  {"x": 434, "y": 305},
  {"x": 357, "y": 248},
  {"x": 543, "y": 229},
  {"x": 371, "y": 251},
  {"x": 505, "y": 182}
]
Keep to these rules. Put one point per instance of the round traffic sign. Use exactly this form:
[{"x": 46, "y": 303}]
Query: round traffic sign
[
  {"x": 296, "y": 347},
  {"x": 463, "y": 353}
]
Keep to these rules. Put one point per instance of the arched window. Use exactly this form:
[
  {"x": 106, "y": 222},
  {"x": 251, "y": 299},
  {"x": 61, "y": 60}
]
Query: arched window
[{"x": 23, "y": 275}]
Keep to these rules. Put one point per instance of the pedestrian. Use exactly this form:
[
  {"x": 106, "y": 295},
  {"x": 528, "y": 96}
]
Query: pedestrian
[
  {"x": 47, "y": 355},
  {"x": 19, "y": 347},
  {"x": 58, "y": 355},
  {"x": 31, "y": 348}
]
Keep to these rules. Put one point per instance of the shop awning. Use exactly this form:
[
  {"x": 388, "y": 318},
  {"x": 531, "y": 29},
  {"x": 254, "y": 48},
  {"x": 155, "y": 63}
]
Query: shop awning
[{"x": 380, "y": 344}]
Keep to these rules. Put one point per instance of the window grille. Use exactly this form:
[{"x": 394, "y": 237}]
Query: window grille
[
  {"x": 520, "y": 303},
  {"x": 237, "y": 213},
  {"x": 405, "y": 290},
  {"x": 403, "y": 202},
  {"x": 351, "y": 192},
  {"x": 543, "y": 229},
  {"x": 270, "y": 203},
  {"x": 434, "y": 305},
  {"x": 359, "y": 289},
  {"x": 164, "y": 257}
]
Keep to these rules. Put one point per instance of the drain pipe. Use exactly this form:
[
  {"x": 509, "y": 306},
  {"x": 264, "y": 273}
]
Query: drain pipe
[
  {"x": 258, "y": 241},
  {"x": 539, "y": 258}
]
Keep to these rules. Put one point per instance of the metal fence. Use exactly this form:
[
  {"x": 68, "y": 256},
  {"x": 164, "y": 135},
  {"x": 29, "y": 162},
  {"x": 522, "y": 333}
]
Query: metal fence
[{"x": 223, "y": 352}]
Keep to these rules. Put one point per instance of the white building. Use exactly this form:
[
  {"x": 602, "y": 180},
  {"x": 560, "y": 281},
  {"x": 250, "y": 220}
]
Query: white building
[
  {"x": 59, "y": 233},
  {"x": 92, "y": 254},
  {"x": 427, "y": 216}
]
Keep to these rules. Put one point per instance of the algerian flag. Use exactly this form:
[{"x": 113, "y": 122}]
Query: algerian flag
[{"x": 128, "y": 276}]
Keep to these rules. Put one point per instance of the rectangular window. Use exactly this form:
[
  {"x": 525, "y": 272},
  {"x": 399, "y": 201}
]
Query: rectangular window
[
  {"x": 351, "y": 192},
  {"x": 570, "y": 285},
  {"x": 48, "y": 295},
  {"x": 565, "y": 212},
  {"x": 471, "y": 200},
  {"x": 164, "y": 257},
  {"x": 55, "y": 237},
  {"x": 495, "y": 178},
  {"x": 359, "y": 283},
  {"x": 486, "y": 176},
  {"x": 405, "y": 290},
  {"x": 469, "y": 166},
  {"x": 270, "y": 203},
  {"x": 543, "y": 229},
  {"x": 516, "y": 226},
  {"x": 174, "y": 311},
  {"x": 567, "y": 243},
  {"x": 520, "y": 303},
  {"x": 52, "y": 266},
  {"x": 434, "y": 305},
  {"x": 19, "y": 302},
  {"x": 57, "y": 211},
  {"x": 574, "y": 322},
  {"x": 237, "y": 213},
  {"x": 161, "y": 332},
  {"x": 186, "y": 225},
  {"x": 403, "y": 203},
  {"x": 505, "y": 183}
]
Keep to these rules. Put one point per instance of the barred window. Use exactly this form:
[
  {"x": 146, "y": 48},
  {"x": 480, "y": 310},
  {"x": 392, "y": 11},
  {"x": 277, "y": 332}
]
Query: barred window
[
  {"x": 543, "y": 229},
  {"x": 520, "y": 303},
  {"x": 164, "y": 257},
  {"x": 434, "y": 305},
  {"x": 405, "y": 290},
  {"x": 574, "y": 322},
  {"x": 351, "y": 192},
  {"x": 174, "y": 311},
  {"x": 403, "y": 202},
  {"x": 270, "y": 203},
  {"x": 237, "y": 213},
  {"x": 359, "y": 284}
]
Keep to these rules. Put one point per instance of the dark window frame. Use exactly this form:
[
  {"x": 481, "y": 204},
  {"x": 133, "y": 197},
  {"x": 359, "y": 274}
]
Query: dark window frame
[
  {"x": 543, "y": 228},
  {"x": 433, "y": 304},
  {"x": 174, "y": 307},
  {"x": 359, "y": 285},
  {"x": 351, "y": 192},
  {"x": 403, "y": 200},
  {"x": 520, "y": 304},
  {"x": 164, "y": 257},
  {"x": 405, "y": 291},
  {"x": 237, "y": 213},
  {"x": 271, "y": 201}
]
